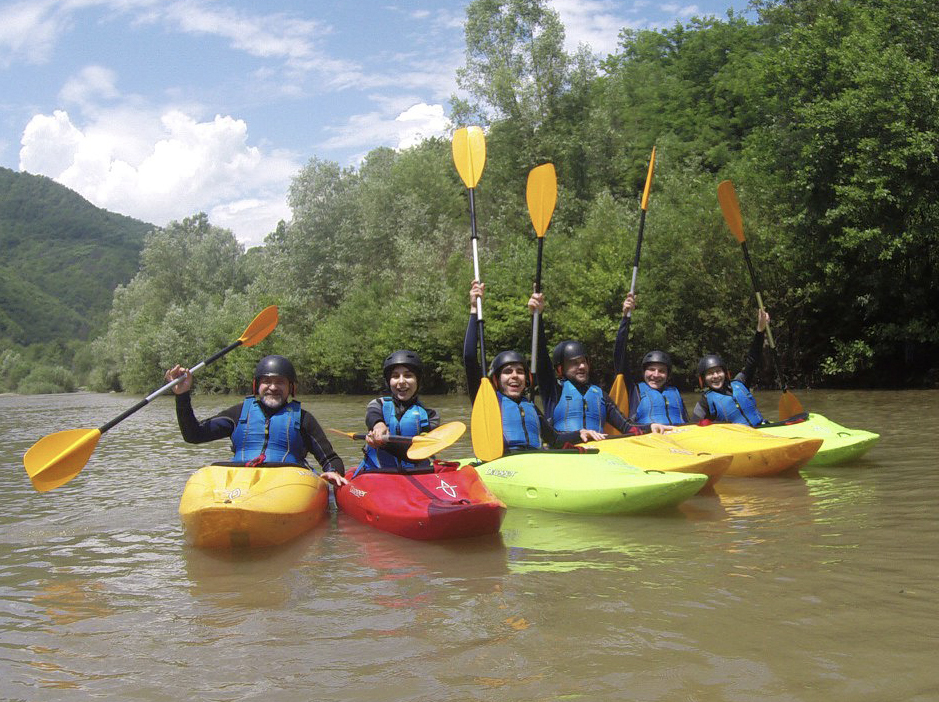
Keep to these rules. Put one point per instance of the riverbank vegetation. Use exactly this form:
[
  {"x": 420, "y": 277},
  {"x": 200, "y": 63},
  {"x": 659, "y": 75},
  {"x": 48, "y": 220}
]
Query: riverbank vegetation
[{"x": 822, "y": 112}]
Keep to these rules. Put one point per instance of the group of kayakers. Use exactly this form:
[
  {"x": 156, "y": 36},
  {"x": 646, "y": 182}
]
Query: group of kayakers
[{"x": 270, "y": 428}]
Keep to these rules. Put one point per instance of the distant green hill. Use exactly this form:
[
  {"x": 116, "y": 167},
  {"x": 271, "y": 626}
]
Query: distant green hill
[{"x": 63, "y": 257}]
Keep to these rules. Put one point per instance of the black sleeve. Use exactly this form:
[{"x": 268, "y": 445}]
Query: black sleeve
[
  {"x": 470, "y": 359},
  {"x": 752, "y": 360},
  {"x": 318, "y": 445},
  {"x": 374, "y": 414},
  {"x": 433, "y": 418},
  {"x": 701, "y": 410},
  {"x": 220, "y": 426},
  {"x": 548, "y": 387},
  {"x": 619, "y": 348}
]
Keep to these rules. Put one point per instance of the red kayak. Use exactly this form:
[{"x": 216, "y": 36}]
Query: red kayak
[{"x": 442, "y": 503}]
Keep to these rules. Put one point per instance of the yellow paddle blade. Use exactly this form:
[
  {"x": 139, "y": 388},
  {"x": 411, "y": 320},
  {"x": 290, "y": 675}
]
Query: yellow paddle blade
[
  {"x": 542, "y": 196},
  {"x": 57, "y": 458},
  {"x": 486, "y": 423},
  {"x": 789, "y": 406},
  {"x": 619, "y": 393},
  {"x": 426, "y": 445},
  {"x": 350, "y": 434},
  {"x": 645, "y": 192},
  {"x": 469, "y": 154},
  {"x": 730, "y": 206},
  {"x": 260, "y": 327}
]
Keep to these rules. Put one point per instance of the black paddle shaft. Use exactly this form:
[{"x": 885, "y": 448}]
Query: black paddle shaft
[{"x": 479, "y": 314}]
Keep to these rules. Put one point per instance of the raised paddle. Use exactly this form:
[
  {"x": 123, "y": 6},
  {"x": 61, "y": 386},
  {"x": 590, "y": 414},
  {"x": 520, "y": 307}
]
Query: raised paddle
[
  {"x": 57, "y": 458},
  {"x": 423, "y": 445},
  {"x": 469, "y": 156},
  {"x": 789, "y": 406},
  {"x": 542, "y": 195},
  {"x": 619, "y": 393}
]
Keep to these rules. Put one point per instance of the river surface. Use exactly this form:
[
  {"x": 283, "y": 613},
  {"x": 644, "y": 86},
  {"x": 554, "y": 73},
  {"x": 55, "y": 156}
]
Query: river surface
[{"x": 820, "y": 586}]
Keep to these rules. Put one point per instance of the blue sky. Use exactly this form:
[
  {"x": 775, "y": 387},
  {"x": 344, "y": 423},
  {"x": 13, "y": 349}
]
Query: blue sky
[{"x": 160, "y": 109}]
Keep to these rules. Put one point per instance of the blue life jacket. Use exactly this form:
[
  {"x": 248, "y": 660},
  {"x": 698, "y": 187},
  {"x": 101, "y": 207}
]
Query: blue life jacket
[
  {"x": 662, "y": 406},
  {"x": 277, "y": 437},
  {"x": 575, "y": 411},
  {"x": 412, "y": 422},
  {"x": 739, "y": 407},
  {"x": 521, "y": 427}
]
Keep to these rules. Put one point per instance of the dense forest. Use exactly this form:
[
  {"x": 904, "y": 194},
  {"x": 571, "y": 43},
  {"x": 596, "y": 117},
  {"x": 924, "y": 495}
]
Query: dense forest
[
  {"x": 63, "y": 258},
  {"x": 822, "y": 112}
]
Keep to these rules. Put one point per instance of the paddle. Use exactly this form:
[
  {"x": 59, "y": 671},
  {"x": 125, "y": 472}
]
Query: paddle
[
  {"x": 423, "y": 445},
  {"x": 789, "y": 406},
  {"x": 542, "y": 195},
  {"x": 57, "y": 458},
  {"x": 619, "y": 393},
  {"x": 469, "y": 156}
]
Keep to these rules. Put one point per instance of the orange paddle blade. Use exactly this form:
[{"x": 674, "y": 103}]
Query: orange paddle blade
[
  {"x": 260, "y": 327},
  {"x": 789, "y": 406},
  {"x": 426, "y": 445},
  {"x": 469, "y": 154},
  {"x": 645, "y": 191},
  {"x": 542, "y": 196},
  {"x": 730, "y": 206},
  {"x": 486, "y": 423},
  {"x": 57, "y": 458}
]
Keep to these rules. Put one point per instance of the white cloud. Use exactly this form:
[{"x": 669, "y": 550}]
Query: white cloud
[
  {"x": 92, "y": 83},
  {"x": 174, "y": 167},
  {"x": 592, "y": 22},
  {"x": 418, "y": 121},
  {"x": 29, "y": 30}
]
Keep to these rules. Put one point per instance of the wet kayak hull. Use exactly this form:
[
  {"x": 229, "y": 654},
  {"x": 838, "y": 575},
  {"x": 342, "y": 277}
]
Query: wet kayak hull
[
  {"x": 585, "y": 483},
  {"x": 449, "y": 504},
  {"x": 249, "y": 507}
]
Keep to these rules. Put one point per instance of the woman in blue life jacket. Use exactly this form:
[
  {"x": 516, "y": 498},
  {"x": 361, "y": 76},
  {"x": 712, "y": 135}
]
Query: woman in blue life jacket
[
  {"x": 265, "y": 429},
  {"x": 651, "y": 399},
  {"x": 725, "y": 400},
  {"x": 400, "y": 413},
  {"x": 569, "y": 399},
  {"x": 523, "y": 425}
]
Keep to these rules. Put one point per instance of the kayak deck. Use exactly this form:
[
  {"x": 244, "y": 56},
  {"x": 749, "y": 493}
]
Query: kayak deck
[
  {"x": 447, "y": 504},
  {"x": 239, "y": 507},
  {"x": 654, "y": 452},
  {"x": 754, "y": 454},
  {"x": 839, "y": 444},
  {"x": 585, "y": 483}
]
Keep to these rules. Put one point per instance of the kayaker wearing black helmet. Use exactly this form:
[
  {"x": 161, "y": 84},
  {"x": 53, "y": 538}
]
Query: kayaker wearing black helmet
[
  {"x": 652, "y": 399},
  {"x": 401, "y": 413},
  {"x": 726, "y": 400},
  {"x": 570, "y": 401},
  {"x": 523, "y": 424},
  {"x": 266, "y": 428}
]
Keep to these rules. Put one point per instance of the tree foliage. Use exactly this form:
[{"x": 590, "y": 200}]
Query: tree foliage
[{"x": 822, "y": 112}]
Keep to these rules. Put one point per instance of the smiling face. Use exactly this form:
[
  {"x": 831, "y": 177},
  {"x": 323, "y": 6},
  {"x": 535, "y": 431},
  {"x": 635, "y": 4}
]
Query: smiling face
[
  {"x": 512, "y": 380},
  {"x": 714, "y": 377},
  {"x": 402, "y": 381},
  {"x": 655, "y": 375},
  {"x": 273, "y": 390},
  {"x": 577, "y": 369}
]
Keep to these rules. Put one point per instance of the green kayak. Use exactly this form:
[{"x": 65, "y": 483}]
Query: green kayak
[
  {"x": 584, "y": 483},
  {"x": 839, "y": 445}
]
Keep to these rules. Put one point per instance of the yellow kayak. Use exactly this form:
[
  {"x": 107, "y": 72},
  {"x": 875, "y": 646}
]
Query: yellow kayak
[
  {"x": 655, "y": 452},
  {"x": 231, "y": 506},
  {"x": 753, "y": 452}
]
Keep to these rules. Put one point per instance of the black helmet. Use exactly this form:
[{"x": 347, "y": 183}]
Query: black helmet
[
  {"x": 567, "y": 350},
  {"x": 711, "y": 360},
  {"x": 275, "y": 365},
  {"x": 403, "y": 358},
  {"x": 658, "y": 357},
  {"x": 505, "y": 358}
]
